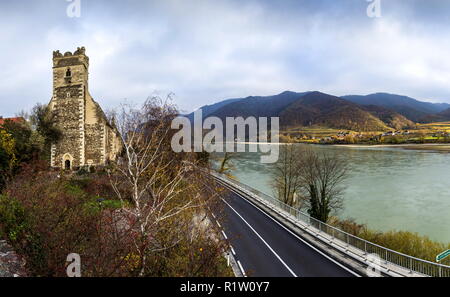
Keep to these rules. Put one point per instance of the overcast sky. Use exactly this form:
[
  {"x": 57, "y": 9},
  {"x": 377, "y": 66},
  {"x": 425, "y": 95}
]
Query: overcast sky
[{"x": 206, "y": 51}]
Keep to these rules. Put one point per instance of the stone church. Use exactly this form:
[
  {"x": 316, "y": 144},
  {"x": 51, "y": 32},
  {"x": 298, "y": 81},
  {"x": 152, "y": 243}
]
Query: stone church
[{"x": 88, "y": 139}]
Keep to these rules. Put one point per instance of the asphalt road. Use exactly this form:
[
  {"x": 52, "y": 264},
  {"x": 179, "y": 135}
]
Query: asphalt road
[{"x": 263, "y": 247}]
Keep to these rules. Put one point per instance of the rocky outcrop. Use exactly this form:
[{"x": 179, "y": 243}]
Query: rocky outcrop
[{"x": 11, "y": 264}]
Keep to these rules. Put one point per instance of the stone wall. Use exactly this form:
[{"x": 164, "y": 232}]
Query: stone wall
[
  {"x": 11, "y": 264},
  {"x": 69, "y": 114},
  {"x": 113, "y": 143},
  {"x": 94, "y": 151}
]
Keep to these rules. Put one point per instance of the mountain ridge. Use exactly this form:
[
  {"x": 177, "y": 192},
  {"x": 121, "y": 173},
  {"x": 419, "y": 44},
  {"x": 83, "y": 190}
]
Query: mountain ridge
[
  {"x": 373, "y": 112},
  {"x": 410, "y": 108}
]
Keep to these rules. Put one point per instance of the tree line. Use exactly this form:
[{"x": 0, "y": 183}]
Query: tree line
[{"x": 24, "y": 141}]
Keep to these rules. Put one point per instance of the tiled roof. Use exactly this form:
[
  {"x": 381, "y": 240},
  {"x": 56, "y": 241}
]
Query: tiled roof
[{"x": 15, "y": 120}]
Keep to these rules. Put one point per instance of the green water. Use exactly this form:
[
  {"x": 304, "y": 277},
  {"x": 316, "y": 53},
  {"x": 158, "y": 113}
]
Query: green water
[{"x": 388, "y": 188}]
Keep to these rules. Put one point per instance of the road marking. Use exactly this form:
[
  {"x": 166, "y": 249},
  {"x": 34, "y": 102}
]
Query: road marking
[
  {"x": 213, "y": 215},
  {"x": 218, "y": 224},
  {"x": 298, "y": 237},
  {"x": 232, "y": 250},
  {"x": 224, "y": 235},
  {"x": 262, "y": 239},
  {"x": 241, "y": 268}
]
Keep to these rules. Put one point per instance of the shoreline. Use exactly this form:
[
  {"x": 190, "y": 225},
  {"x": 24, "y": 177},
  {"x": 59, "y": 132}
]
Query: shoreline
[
  {"x": 436, "y": 147},
  {"x": 431, "y": 147}
]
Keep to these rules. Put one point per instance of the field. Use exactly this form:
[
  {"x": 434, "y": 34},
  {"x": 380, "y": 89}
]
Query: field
[
  {"x": 422, "y": 133},
  {"x": 315, "y": 133},
  {"x": 433, "y": 127}
]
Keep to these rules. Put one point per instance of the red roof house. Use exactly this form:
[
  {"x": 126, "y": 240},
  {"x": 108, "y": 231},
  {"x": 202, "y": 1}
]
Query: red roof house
[{"x": 15, "y": 120}]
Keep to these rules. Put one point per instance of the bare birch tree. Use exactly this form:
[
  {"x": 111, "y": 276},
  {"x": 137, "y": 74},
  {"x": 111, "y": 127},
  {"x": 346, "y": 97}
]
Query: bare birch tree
[{"x": 152, "y": 182}]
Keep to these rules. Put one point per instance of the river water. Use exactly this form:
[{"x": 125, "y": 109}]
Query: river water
[{"x": 387, "y": 189}]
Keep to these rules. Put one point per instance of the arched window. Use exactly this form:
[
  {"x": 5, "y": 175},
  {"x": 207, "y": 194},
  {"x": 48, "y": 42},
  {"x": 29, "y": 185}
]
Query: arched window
[
  {"x": 68, "y": 73},
  {"x": 67, "y": 165}
]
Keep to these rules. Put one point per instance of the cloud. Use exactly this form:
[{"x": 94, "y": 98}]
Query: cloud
[{"x": 205, "y": 51}]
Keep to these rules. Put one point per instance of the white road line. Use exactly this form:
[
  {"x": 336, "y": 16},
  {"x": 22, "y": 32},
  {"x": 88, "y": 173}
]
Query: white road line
[
  {"x": 213, "y": 215},
  {"x": 262, "y": 239},
  {"x": 218, "y": 224},
  {"x": 232, "y": 250},
  {"x": 305, "y": 242},
  {"x": 224, "y": 235},
  {"x": 241, "y": 268}
]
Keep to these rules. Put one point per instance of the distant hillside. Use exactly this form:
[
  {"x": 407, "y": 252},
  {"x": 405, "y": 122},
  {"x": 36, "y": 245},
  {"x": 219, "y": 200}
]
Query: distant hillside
[
  {"x": 375, "y": 112},
  {"x": 410, "y": 108},
  {"x": 258, "y": 106},
  {"x": 321, "y": 109},
  {"x": 208, "y": 109},
  {"x": 389, "y": 117},
  {"x": 442, "y": 116}
]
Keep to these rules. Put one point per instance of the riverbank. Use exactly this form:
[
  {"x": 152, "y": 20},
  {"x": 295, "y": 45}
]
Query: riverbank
[{"x": 435, "y": 147}]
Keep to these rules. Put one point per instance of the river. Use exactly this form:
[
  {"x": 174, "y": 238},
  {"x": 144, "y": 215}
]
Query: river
[{"x": 388, "y": 188}]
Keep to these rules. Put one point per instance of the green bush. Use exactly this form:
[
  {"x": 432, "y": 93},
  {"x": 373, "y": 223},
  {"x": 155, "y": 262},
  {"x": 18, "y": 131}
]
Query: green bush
[
  {"x": 83, "y": 171},
  {"x": 97, "y": 205},
  {"x": 13, "y": 220},
  {"x": 405, "y": 242},
  {"x": 44, "y": 219}
]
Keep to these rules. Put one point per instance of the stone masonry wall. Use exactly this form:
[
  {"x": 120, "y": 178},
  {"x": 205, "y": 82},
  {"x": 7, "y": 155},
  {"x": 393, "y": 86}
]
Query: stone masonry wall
[
  {"x": 94, "y": 143},
  {"x": 11, "y": 264},
  {"x": 68, "y": 114}
]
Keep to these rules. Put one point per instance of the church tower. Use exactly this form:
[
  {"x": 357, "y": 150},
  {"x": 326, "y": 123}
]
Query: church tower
[{"x": 87, "y": 137}]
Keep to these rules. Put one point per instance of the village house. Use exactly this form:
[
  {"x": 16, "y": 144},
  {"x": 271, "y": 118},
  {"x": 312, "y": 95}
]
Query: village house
[{"x": 14, "y": 120}]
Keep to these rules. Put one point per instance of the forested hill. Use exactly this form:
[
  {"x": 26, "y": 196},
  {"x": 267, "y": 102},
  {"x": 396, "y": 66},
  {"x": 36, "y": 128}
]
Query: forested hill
[{"x": 314, "y": 108}]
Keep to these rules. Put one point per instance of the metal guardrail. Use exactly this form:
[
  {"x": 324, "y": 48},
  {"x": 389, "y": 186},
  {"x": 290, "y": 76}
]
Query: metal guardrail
[{"x": 389, "y": 256}]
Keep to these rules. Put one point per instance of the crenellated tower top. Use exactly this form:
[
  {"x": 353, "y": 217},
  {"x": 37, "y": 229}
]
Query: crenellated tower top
[{"x": 78, "y": 57}]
